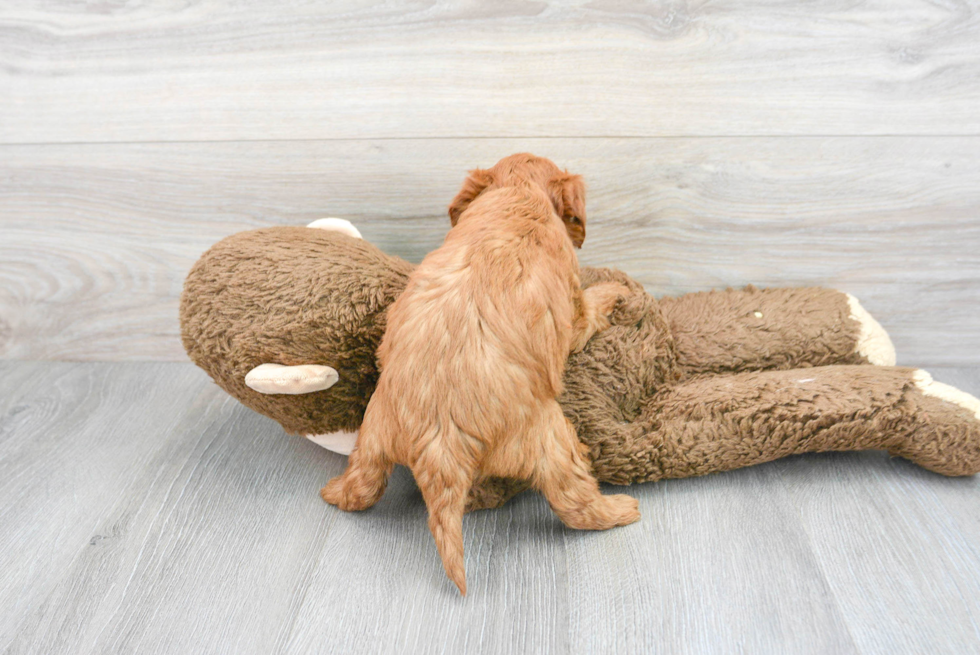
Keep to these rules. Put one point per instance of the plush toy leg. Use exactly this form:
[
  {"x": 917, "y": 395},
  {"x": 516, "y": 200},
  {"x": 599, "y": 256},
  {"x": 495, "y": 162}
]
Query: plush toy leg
[
  {"x": 717, "y": 423},
  {"x": 752, "y": 329},
  {"x": 950, "y": 394}
]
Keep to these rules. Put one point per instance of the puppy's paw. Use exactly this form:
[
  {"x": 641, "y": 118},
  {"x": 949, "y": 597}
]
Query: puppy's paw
[
  {"x": 604, "y": 512},
  {"x": 341, "y": 492},
  {"x": 611, "y": 511},
  {"x": 333, "y": 492},
  {"x": 622, "y": 509},
  {"x": 605, "y": 296}
]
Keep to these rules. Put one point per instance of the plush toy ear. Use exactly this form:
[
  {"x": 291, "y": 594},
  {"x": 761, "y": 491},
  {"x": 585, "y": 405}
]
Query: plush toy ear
[
  {"x": 478, "y": 180},
  {"x": 567, "y": 193}
]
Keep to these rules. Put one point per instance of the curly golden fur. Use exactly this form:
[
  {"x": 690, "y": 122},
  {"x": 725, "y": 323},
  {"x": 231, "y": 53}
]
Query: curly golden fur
[{"x": 473, "y": 357}]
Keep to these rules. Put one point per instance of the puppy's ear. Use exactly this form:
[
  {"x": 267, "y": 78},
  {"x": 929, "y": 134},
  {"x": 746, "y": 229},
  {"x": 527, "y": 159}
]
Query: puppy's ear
[
  {"x": 478, "y": 180},
  {"x": 567, "y": 193}
]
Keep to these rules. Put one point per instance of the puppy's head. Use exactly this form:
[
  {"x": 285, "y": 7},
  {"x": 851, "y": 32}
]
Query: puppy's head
[{"x": 567, "y": 191}]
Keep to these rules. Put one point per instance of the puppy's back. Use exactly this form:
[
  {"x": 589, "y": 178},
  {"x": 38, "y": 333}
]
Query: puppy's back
[{"x": 483, "y": 327}]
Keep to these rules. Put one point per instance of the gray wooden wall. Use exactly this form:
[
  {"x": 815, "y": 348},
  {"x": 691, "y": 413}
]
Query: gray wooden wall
[{"x": 725, "y": 143}]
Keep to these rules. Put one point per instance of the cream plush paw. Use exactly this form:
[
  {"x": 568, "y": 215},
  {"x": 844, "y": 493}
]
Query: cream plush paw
[
  {"x": 276, "y": 378},
  {"x": 337, "y": 225},
  {"x": 873, "y": 342}
]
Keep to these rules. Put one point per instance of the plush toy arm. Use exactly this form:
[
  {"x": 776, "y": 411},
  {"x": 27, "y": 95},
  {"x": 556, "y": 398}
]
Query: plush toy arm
[
  {"x": 717, "y": 423},
  {"x": 752, "y": 329}
]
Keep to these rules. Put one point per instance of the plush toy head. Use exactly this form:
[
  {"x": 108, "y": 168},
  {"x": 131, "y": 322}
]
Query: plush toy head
[{"x": 292, "y": 296}]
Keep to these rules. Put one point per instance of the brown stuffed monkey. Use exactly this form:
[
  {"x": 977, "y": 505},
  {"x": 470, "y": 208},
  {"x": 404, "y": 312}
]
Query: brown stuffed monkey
[{"x": 288, "y": 319}]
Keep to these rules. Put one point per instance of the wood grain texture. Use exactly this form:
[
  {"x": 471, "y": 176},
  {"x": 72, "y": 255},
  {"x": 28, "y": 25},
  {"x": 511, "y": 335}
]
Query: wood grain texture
[
  {"x": 95, "y": 240},
  {"x": 516, "y": 576},
  {"x": 145, "y": 511},
  {"x": 204, "y": 71},
  {"x": 710, "y": 568},
  {"x": 899, "y": 543},
  {"x": 724, "y": 142},
  {"x": 70, "y": 438}
]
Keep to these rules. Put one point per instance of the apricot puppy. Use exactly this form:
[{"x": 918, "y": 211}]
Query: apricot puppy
[{"x": 473, "y": 356}]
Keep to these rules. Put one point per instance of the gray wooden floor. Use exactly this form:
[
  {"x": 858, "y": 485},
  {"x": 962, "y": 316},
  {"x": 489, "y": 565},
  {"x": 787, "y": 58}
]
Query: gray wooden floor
[
  {"x": 145, "y": 511},
  {"x": 724, "y": 142}
]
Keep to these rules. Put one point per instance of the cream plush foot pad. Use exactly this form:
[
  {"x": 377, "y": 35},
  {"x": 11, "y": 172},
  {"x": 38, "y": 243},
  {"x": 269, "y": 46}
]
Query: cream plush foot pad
[
  {"x": 336, "y": 224},
  {"x": 950, "y": 394},
  {"x": 338, "y": 442},
  {"x": 276, "y": 378},
  {"x": 873, "y": 342}
]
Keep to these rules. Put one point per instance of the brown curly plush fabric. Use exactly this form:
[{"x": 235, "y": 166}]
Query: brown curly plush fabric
[
  {"x": 290, "y": 296},
  {"x": 677, "y": 387},
  {"x": 717, "y": 423},
  {"x": 725, "y": 331}
]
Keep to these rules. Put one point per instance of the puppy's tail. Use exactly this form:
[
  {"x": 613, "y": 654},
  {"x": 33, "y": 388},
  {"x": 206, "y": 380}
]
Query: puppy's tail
[
  {"x": 447, "y": 529},
  {"x": 445, "y": 490}
]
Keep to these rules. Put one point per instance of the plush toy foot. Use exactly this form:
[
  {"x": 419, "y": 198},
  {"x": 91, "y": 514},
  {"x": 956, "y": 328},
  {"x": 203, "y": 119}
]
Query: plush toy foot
[
  {"x": 950, "y": 394},
  {"x": 948, "y": 441},
  {"x": 873, "y": 342},
  {"x": 337, "y": 225},
  {"x": 276, "y": 378},
  {"x": 338, "y": 442}
]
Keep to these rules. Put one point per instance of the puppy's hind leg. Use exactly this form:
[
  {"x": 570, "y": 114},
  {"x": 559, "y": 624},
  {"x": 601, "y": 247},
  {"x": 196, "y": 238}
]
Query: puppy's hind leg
[
  {"x": 445, "y": 478},
  {"x": 563, "y": 475},
  {"x": 364, "y": 481}
]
